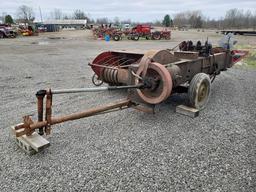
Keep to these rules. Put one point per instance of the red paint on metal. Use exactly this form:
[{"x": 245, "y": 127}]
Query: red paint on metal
[{"x": 238, "y": 55}]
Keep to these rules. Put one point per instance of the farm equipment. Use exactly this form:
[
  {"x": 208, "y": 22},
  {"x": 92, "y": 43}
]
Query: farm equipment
[
  {"x": 140, "y": 31},
  {"x": 113, "y": 33},
  {"x": 28, "y": 31},
  {"x": 144, "y": 31},
  {"x": 149, "y": 77},
  {"x": 7, "y": 31},
  {"x": 107, "y": 30}
]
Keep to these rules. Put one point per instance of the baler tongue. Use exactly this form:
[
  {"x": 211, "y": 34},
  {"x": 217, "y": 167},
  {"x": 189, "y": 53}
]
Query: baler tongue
[{"x": 31, "y": 142}]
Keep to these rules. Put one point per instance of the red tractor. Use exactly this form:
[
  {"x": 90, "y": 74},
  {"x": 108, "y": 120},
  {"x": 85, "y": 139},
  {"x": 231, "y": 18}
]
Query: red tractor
[
  {"x": 142, "y": 29},
  {"x": 145, "y": 31}
]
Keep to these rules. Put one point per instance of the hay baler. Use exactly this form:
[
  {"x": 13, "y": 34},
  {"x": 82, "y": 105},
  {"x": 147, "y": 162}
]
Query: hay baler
[{"x": 150, "y": 78}]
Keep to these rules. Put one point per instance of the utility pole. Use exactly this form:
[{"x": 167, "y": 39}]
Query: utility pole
[{"x": 41, "y": 14}]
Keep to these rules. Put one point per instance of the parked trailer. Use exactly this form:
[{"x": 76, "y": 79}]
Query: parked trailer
[{"x": 238, "y": 32}]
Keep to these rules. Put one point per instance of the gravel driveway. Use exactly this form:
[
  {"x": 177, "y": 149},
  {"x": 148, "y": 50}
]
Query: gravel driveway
[{"x": 126, "y": 150}]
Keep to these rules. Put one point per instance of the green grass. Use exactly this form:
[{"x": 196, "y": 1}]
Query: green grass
[{"x": 250, "y": 60}]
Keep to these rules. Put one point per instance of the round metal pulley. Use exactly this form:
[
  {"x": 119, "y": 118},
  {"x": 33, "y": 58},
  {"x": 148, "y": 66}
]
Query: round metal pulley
[{"x": 158, "y": 83}]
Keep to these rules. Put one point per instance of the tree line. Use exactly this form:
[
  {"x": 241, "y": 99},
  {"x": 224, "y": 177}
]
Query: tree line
[
  {"x": 234, "y": 18},
  {"x": 26, "y": 14}
]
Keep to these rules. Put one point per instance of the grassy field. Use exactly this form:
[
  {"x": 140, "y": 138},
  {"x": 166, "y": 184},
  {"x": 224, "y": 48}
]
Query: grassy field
[{"x": 250, "y": 60}]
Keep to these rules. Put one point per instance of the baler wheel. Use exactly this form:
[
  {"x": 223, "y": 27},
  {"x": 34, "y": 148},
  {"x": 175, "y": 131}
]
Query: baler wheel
[
  {"x": 199, "y": 91},
  {"x": 96, "y": 81},
  {"x": 160, "y": 80}
]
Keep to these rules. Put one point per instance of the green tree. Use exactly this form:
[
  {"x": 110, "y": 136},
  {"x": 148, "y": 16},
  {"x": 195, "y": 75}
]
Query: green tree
[
  {"x": 8, "y": 19},
  {"x": 167, "y": 22}
]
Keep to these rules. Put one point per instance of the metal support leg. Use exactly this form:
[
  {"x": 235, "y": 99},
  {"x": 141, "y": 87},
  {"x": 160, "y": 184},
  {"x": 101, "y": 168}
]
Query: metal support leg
[
  {"x": 40, "y": 108},
  {"x": 48, "y": 112}
]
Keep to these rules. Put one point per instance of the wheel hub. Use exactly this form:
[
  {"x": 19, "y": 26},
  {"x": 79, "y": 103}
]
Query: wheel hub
[
  {"x": 202, "y": 93},
  {"x": 158, "y": 83}
]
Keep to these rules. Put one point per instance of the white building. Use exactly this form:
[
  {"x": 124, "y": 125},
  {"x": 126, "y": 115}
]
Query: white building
[{"x": 69, "y": 23}]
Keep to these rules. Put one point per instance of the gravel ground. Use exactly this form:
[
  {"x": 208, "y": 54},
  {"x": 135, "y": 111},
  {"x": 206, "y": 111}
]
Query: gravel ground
[{"x": 126, "y": 150}]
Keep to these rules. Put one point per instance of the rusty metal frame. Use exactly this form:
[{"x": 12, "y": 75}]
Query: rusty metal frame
[
  {"x": 40, "y": 109},
  {"x": 28, "y": 126}
]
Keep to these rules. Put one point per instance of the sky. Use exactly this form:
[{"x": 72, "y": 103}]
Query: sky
[{"x": 136, "y": 10}]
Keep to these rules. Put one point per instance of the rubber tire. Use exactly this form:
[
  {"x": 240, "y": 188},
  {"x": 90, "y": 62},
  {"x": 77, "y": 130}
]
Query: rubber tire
[
  {"x": 156, "y": 36},
  {"x": 95, "y": 79},
  {"x": 116, "y": 37},
  {"x": 193, "y": 89},
  {"x": 136, "y": 37},
  {"x": 1, "y": 35}
]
